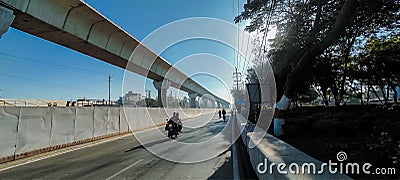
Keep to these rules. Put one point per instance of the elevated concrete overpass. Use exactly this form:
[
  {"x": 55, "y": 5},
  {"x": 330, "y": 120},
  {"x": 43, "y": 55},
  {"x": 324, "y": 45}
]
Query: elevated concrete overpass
[{"x": 76, "y": 25}]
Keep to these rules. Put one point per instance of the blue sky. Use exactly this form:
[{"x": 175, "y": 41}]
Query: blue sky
[{"x": 32, "y": 68}]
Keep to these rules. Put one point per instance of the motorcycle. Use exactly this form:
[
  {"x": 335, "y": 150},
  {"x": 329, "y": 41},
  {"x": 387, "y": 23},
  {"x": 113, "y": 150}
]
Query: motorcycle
[{"x": 172, "y": 129}]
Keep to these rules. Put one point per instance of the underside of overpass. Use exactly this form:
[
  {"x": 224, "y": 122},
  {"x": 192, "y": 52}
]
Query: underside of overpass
[{"x": 76, "y": 25}]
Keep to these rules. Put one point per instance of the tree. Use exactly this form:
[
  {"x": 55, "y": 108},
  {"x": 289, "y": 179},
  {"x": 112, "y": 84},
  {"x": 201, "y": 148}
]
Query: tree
[
  {"x": 308, "y": 28},
  {"x": 381, "y": 64},
  {"x": 309, "y": 31}
]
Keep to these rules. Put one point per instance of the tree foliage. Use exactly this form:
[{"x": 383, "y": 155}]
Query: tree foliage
[
  {"x": 318, "y": 41},
  {"x": 380, "y": 64}
]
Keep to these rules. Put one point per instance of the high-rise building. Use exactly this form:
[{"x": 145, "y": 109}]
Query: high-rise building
[{"x": 132, "y": 98}]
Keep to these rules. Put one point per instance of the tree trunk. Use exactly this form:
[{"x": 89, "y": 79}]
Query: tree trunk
[
  {"x": 387, "y": 93},
  {"x": 346, "y": 61},
  {"x": 336, "y": 97},
  {"x": 295, "y": 78},
  {"x": 306, "y": 58},
  {"x": 376, "y": 94},
  {"x": 325, "y": 98},
  {"x": 368, "y": 91},
  {"x": 383, "y": 94},
  {"x": 361, "y": 93}
]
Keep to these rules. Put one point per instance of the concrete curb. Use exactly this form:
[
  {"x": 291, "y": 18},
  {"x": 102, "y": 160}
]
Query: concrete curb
[{"x": 274, "y": 150}]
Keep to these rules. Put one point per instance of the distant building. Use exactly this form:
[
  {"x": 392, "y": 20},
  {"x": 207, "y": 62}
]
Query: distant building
[{"x": 132, "y": 98}]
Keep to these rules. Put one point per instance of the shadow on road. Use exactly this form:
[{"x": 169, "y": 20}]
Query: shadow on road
[
  {"x": 134, "y": 148},
  {"x": 224, "y": 171},
  {"x": 150, "y": 144}
]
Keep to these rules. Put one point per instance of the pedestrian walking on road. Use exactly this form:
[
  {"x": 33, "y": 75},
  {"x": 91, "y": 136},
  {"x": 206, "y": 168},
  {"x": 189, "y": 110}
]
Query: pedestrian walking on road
[
  {"x": 224, "y": 114},
  {"x": 219, "y": 113}
]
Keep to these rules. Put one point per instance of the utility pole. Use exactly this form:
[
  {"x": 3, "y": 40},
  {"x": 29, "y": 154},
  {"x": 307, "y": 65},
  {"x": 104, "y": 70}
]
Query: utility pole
[
  {"x": 109, "y": 89},
  {"x": 148, "y": 95},
  {"x": 237, "y": 78}
]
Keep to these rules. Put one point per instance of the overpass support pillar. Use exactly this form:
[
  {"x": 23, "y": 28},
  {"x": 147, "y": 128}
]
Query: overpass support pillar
[
  {"x": 225, "y": 105},
  {"x": 213, "y": 103},
  {"x": 193, "y": 97},
  {"x": 7, "y": 17},
  {"x": 162, "y": 87},
  {"x": 206, "y": 102}
]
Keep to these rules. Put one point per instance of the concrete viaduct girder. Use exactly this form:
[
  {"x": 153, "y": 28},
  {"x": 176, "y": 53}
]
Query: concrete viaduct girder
[{"x": 76, "y": 25}]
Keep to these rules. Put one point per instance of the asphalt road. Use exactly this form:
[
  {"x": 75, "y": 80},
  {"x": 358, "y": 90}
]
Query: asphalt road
[{"x": 126, "y": 158}]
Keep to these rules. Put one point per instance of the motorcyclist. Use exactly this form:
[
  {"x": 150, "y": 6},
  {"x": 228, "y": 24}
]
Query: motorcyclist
[
  {"x": 175, "y": 122},
  {"x": 178, "y": 122},
  {"x": 171, "y": 120}
]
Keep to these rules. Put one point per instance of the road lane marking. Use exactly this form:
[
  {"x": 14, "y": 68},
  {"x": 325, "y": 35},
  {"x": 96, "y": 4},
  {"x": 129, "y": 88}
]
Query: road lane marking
[
  {"x": 123, "y": 170},
  {"x": 63, "y": 152}
]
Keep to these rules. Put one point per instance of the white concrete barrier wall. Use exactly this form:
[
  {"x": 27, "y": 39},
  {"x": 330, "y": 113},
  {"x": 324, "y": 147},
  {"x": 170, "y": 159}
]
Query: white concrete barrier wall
[
  {"x": 25, "y": 129},
  {"x": 100, "y": 121},
  {"x": 189, "y": 113},
  {"x": 151, "y": 117},
  {"x": 34, "y": 129},
  {"x": 142, "y": 119},
  {"x": 132, "y": 117},
  {"x": 124, "y": 127},
  {"x": 155, "y": 116},
  {"x": 164, "y": 114},
  {"x": 84, "y": 123},
  {"x": 63, "y": 126},
  {"x": 8, "y": 130},
  {"x": 113, "y": 121}
]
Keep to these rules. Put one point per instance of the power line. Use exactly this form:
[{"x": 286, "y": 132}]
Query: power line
[
  {"x": 247, "y": 49},
  {"x": 239, "y": 48},
  {"x": 238, "y": 34},
  {"x": 70, "y": 68},
  {"x": 36, "y": 81},
  {"x": 234, "y": 50}
]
